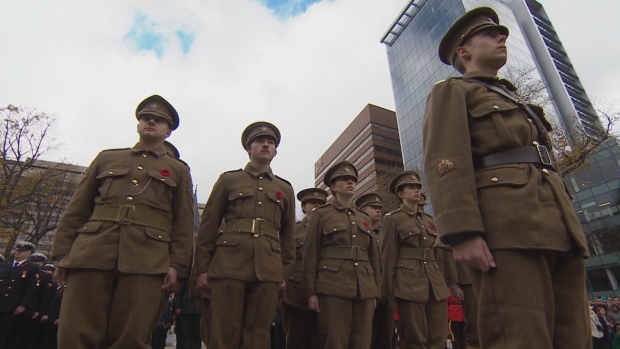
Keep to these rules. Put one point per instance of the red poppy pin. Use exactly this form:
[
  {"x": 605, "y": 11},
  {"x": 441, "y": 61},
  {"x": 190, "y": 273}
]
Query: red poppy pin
[
  {"x": 164, "y": 172},
  {"x": 279, "y": 194},
  {"x": 366, "y": 225},
  {"x": 431, "y": 226}
]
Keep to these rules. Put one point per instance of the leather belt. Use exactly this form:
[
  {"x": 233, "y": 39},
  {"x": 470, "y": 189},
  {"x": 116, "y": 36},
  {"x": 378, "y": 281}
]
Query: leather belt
[
  {"x": 256, "y": 226},
  {"x": 537, "y": 154},
  {"x": 128, "y": 214},
  {"x": 353, "y": 253},
  {"x": 422, "y": 254}
]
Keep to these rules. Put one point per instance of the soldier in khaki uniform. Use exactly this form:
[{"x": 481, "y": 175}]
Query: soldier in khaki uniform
[
  {"x": 499, "y": 201},
  {"x": 340, "y": 265},
  {"x": 300, "y": 323},
  {"x": 122, "y": 238},
  {"x": 412, "y": 279},
  {"x": 383, "y": 319},
  {"x": 244, "y": 261}
]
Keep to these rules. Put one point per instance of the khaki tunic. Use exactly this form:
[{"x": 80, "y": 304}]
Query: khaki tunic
[
  {"x": 468, "y": 201},
  {"x": 294, "y": 295},
  {"x": 405, "y": 278},
  {"x": 229, "y": 253},
  {"x": 335, "y": 225},
  {"x": 157, "y": 186}
]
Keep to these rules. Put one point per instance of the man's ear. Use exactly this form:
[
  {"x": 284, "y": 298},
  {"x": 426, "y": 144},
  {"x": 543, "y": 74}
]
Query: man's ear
[{"x": 462, "y": 51}]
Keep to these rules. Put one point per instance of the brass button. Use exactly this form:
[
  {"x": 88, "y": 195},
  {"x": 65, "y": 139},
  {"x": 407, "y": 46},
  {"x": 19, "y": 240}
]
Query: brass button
[
  {"x": 422, "y": 227},
  {"x": 353, "y": 235},
  {"x": 530, "y": 121},
  {"x": 424, "y": 262},
  {"x": 278, "y": 200},
  {"x": 261, "y": 177},
  {"x": 535, "y": 143},
  {"x": 324, "y": 267},
  {"x": 335, "y": 229},
  {"x": 135, "y": 182},
  {"x": 377, "y": 240},
  {"x": 353, "y": 223},
  {"x": 545, "y": 171},
  {"x": 85, "y": 228},
  {"x": 356, "y": 264},
  {"x": 302, "y": 243},
  {"x": 494, "y": 180},
  {"x": 424, "y": 238},
  {"x": 144, "y": 155},
  {"x": 221, "y": 230},
  {"x": 349, "y": 212},
  {"x": 240, "y": 194},
  {"x": 260, "y": 188},
  {"x": 9, "y": 287},
  {"x": 140, "y": 168},
  {"x": 111, "y": 172},
  {"x": 159, "y": 236},
  {"x": 129, "y": 198},
  {"x": 402, "y": 265},
  {"x": 162, "y": 179},
  {"x": 224, "y": 241},
  {"x": 410, "y": 233},
  {"x": 255, "y": 235},
  {"x": 260, "y": 203},
  {"x": 496, "y": 107}
]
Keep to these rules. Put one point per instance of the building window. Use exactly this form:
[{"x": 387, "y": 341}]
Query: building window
[{"x": 599, "y": 280}]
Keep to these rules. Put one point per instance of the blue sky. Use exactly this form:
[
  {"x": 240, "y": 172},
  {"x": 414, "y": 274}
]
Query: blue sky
[{"x": 288, "y": 8}]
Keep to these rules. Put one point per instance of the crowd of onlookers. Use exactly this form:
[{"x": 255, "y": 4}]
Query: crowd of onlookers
[{"x": 605, "y": 322}]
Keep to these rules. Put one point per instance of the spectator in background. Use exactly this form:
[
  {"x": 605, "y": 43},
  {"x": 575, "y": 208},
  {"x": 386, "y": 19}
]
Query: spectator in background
[
  {"x": 607, "y": 322},
  {"x": 457, "y": 323},
  {"x": 598, "y": 341},
  {"x": 615, "y": 314},
  {"x": 158, "y": 340},
  {"x": 188, "y": 316}
]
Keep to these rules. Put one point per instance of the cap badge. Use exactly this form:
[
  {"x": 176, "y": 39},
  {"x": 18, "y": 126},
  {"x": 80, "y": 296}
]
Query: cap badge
[
  {"x": 316, "y": 194},
  {"x": 153, "y": 106},
  {"x": 346, "y": 169},
  {"x": 263, "y": 128}
]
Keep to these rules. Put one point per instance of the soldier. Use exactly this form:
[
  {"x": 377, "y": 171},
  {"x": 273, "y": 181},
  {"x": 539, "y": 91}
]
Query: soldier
[
  {"x": 383, "y": 319},
  {"x": 499, "y": 200},
  {"x": 18, "y": 292},
  {"x": 123, "y": 236},
  {"x": 46, "y": 338},
  {"x": 412, "y": 280},
  {"x": 340, "y": 265},
  {"x": 300, "y": 323},
  {"x": 245, "y": 261},
  {"x": 44, "y": 283}
]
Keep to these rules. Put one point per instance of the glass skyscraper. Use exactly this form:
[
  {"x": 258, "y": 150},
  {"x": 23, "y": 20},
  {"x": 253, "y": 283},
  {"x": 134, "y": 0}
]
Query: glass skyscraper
[{"x": 534, "y": 49}]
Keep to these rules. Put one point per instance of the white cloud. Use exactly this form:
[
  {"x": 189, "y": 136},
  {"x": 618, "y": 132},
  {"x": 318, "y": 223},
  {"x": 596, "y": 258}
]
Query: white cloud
[{"x": 310, "y": 74}]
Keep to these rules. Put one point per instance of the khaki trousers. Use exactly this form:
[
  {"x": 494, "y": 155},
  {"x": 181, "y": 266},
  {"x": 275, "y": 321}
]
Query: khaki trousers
[
  {"x": 382, "y": 327},
  {"x": 423, "y": 325},
  {"x": 345, "y": 323},
  {"x": 241, "y": 313},
  {"x": 533, "y": 299},
  {"x": 470, "y": 309},
  {"x": 301, "y": 327},
  {"x": 109, "y": 309}
]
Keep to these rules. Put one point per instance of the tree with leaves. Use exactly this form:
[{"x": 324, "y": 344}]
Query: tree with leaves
[{"x": 33, "y": 192}]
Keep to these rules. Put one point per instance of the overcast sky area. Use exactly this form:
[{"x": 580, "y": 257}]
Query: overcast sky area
[{"x": 308, "y": 66}]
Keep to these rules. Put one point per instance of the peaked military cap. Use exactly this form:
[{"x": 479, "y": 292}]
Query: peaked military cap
[
  {"x": 422, "y": 200},
  {"x": 25, "y": 245},
  {"x": 403, "y": 178},
  {"x": 38, "y": 257},
  {"x": 172, "y": 150},
  {"x": 48, "y": 267},
  {"x": 158, "y": 106},
  {"x": 257, "y": 129},
  {"x": 312, "y": 194},
  {"x": 368, "y": 199},
  {"x": 472, "y": 22},
  {"x": 340, "y": 169}
]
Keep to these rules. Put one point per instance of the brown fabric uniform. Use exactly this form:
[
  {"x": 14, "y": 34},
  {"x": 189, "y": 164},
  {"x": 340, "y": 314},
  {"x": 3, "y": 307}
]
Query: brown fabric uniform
[
  {"x": 248, "y": 257},
  {"x": 339, "y": 265},
  {"x": 300, "y": 323},
  {"x": 414, "y": 281},
  {"x": 383, "y": 318},
  {"x": 521, "y": 210},
  {"x": 130, "y": 219}
]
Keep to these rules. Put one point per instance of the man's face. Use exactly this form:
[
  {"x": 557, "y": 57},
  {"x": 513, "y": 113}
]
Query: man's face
[
  {"x": 311, "y": 204},
  {"x": 262, "y": 149},
  {"x": 22, "y": 255},
  {"x": 486, "y": 49},
  {"x": 343, "y": 185},
  {"x": 410, "y": 193},
  {"x": 373, "y": 211},
  {"x": 152, "y": 127}
]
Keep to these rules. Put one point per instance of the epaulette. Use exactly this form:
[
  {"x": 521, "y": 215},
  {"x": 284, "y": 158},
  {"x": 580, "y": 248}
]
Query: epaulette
[
  {"x": 324, "y": 205},
  {"x": 392, "y": 212},
  {"x": 440, "y": 81},
  {"x": 115, "y": 149},
  {"x": 233, "y": 171},
  {"x": 285, "y": 181},
  {"x": 184, "y": 163},
  {"x": 453, "y": 78}
]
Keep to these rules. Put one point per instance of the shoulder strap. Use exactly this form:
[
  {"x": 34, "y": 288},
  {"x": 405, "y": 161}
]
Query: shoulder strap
[{"x": 542, "y": 131}]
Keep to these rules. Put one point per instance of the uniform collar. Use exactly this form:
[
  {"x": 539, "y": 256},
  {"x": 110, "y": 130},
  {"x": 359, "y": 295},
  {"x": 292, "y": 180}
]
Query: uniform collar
[
  {"x": 256, "y": 173},
  {"x": 17, "y": 264},
  {"x": 337, "y": 204},
  {"x": 492, "y": 79},
  {"x": 304, "y": 220},
  {"x": 138, "y": 148},
  {"x": 408, "y": 210}
]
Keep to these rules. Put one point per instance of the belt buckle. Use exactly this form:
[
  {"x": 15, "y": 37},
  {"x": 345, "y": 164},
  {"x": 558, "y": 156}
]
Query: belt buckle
[
  {"x": 355, "y": 252},
  {"x": 122, "y": 217},
  {"x": 544, "y": 155},
  {"x": 256, "y": 227}
]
